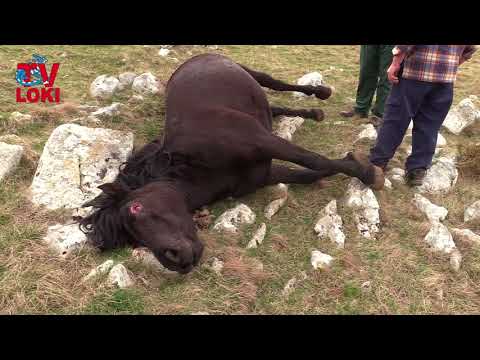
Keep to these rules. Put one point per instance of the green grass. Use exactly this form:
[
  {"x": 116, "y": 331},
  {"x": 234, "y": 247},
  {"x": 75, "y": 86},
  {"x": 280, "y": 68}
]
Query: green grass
[{"x": 405, "y": 277}]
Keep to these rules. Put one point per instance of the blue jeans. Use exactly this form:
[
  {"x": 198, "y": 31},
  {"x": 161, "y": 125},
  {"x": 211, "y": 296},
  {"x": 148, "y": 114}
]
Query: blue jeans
[{"x": 427, "y": 104}]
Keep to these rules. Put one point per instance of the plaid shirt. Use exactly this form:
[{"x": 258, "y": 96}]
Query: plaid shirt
[{"x": 434, "y": 63}]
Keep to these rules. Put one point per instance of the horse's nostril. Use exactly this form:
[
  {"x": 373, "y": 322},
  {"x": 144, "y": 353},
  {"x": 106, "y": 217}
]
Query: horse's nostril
[{"x": 172, "y": 255}]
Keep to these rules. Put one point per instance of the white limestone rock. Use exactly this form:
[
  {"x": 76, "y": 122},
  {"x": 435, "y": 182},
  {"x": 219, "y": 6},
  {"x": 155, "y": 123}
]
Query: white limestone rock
[
  {"x": 126, "y": 80},
  {"x": 65, "y": 239},
  {"x": 287, "y": 126},
  {"x": 273, "y": 207},
  {"x": 362, "y": 199},
  {"x": 455, "y": 260},
  {"x": 16, "y": 118},
  {"x": 397, "y": 174},
  {"x": 231, "y": 219},
  {"x": 10, "y": 156},
  {"x": 258, "y": 237},
  {"x": 388, "y": 184},
  {"x": 432, "y": 211},
  {"x": 440, "y": 239},
  {"x": 320, "y": 260},
  {"x": 107, "y": 111},
  {"x": 120, "y": 277},
  {"x": 330, "y": 225},
  {"x": 441, "y": 177},
  {"x": 104, "y": 86},
  {"x": 368, "y": 132},
  {"x": 466, "y": 235},
  {"x": 312, "y": 79},
  {"x": 289, "y": 287},
  {"x": 472, "y": 212},
  {"x": 217, "y": 266},
  {"x": 99, "y": 270},
  {"x": 75, "y": 161},
  {"x": 163, "y": 52},
  {"x": 147, "y": 83},
  {"x": 462, "y": 115},
  {"x": 145, "y": 256}
]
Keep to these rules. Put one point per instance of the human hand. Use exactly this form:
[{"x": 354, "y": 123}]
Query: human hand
[{"x": 392, "y": 72}]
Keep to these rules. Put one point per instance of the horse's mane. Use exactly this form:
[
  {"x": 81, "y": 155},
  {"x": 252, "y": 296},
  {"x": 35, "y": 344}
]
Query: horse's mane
[{"x": 107, "y": 226}]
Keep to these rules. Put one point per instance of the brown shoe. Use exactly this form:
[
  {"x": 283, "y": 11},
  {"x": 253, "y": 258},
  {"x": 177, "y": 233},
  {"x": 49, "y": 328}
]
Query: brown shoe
[
  {"x": 376, "y": 121},
  {"x": 415, "y": 177},
  {"x": 352, "y": 113},
  {"x": 370, "y": 174}
]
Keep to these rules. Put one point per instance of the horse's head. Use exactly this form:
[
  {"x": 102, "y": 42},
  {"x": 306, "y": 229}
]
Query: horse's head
[{"x": 155, "y": 216}]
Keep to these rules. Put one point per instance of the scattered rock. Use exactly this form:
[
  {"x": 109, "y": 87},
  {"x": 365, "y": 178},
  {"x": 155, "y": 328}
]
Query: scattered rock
[
  {"x": 104, "y": 86},
  {"x": 368, "y": 132},
  {"x": 258, "y": 237},
  {"x": 231, "y": 219},
  {"x": 273, "y": 207},
  {"x": 455, "y": 260},
  {"x": 29, "y": 155},
  {"x": 65, "y": 239},
  {"x": 126, "y": 80},
  {"x": 10, "y": 156},
  {"x": 441, "y": 141},
  {"x": 464, "y": 114},
  {"x": 439, "y": 238},
  {"x": 433, "y": 212},
  {"x": 466, "y": 235},
  {"x": 397, "y": 174},
  {"x": 146, "y": 257},
  {"x": 320, "y": 260},
  {"x": 99, "y": 270},
  {"x": 74, "y": 162},
  {"x": 107, "y": 111},
  {"x": 441, "y": 177},
  {"x": 312, "y": 79},
  {"x": 147, "y": 83},
  {"x": 119, "y": 276},
  {"x": 388, "y": 184},
  {"x": 217, "y": 266},
  {"x": 472, "y": 212},
  {"x": 366, "y": 286},
  {"x": 287, "y": 126},
  {"x": 18, "y": 119},
  {"x": 289, "y": 287},
  {"x": 163, "y": 52},
  {"x": 362, "y": 199},
  {"x": 330, "y": 225}
]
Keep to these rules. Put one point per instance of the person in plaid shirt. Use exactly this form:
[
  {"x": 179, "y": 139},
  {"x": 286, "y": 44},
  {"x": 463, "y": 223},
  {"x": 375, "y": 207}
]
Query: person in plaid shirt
[{"x": 422, "y": 91}]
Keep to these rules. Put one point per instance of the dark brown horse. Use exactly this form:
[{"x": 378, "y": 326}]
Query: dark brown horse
[{"x": 218, "y": 142}]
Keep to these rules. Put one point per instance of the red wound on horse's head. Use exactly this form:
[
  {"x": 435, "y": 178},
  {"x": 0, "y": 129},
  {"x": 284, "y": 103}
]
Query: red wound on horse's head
[{"x": 135, "y": 208}]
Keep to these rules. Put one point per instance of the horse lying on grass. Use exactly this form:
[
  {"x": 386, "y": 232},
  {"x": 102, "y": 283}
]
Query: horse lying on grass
[{"x": 218, "y": 143}]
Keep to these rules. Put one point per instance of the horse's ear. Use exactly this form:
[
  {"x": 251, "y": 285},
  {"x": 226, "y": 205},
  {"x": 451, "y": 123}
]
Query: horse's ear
[{"x": 111, "y": 188}]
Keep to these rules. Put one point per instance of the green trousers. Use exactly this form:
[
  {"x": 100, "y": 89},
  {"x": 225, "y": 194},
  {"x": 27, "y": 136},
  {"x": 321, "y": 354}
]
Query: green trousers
[{"x": 374, "y": 63}]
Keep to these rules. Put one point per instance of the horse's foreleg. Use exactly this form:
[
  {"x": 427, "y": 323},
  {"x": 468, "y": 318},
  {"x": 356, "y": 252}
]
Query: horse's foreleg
[
  {"x": 352, "y": 165},
  {"x": 315, "y": 114},
  {"x": 265, "y": 80},
  {"x": 283, "y": 174}
]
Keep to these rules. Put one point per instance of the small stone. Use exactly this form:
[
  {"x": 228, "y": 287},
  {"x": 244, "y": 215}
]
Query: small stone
[
  {"x": 388, "y": 184},
  {"x": 397, "y": 174},
  {"x": 163, "y": 52},
  {"x": 136, "y": 99},
  {"x": 287, "y": 126},
  {"x": 472, "y": 212},
  {"x": 273, "y": 207},
  {"x": 146, "y": 257},
  {"x": 217, "y": 266},
  {"x": 231, "y": 219},
  {"x": 466, "y": 235},
  {"x": 17, "y": 118},
  {"x": 258, "y": 237},
  {"x": 147, "y": 83},
  {"x": 65, "y": 239},
  {"x": 433, "y": 212},
  {"x": 10, "y": 156},
  {"x": 455, "y": 260},
  {"x": 441, "y": 177},
  {"x": 366, "y": 286},
  {"x": 289, "y": 287},
  {"x": 104, "y": 86},
  {"x": 440, "y": 239},
  {"x": 330, "y": 225},
  {"x": 320, "y": 260},
  {"x": 368, "y": 132},
  {"x": 462, "y": 115},
  {"x": 119, "y": 276},
  {"x": 100, "y": 269},
  {"x": 107, "y": 111}
]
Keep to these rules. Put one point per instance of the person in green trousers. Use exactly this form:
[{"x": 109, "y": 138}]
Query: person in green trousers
[{"x": 374, "y": 62}]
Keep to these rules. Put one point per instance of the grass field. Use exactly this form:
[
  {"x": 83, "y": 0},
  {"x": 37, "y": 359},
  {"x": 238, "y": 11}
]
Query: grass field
[{"x": 404, "y": 276}]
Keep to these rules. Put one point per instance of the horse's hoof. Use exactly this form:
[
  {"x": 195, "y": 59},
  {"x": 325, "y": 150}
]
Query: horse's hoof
[
  {"x": 319, "y": 115},
  {"x": 323, "y": 92},
  {"x": 374, "y": 177}
]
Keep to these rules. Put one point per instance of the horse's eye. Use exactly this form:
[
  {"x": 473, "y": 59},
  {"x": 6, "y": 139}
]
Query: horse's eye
[{"x": 135, "y": 208}]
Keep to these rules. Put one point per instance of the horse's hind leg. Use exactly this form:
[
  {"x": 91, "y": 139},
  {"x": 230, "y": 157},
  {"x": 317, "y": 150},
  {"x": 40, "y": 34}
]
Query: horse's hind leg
[
  {"x": 315, "y": 114},
  {"x": 352, "y": 165},
  {"x": 265, "y": 80},
  {"x": 283, "y": 174}
]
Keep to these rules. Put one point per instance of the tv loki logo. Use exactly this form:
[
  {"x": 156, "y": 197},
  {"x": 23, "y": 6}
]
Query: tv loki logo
[{"x": 35, "y": 83}]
